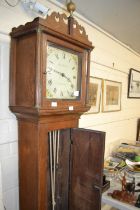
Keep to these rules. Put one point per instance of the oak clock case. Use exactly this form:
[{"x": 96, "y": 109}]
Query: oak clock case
[{"x": 49, "y": 76}]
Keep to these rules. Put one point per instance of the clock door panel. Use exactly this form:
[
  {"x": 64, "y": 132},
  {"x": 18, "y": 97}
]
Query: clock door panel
[
  {"x": 79, "y": 170},
  {"x": 86, "y": 169}
]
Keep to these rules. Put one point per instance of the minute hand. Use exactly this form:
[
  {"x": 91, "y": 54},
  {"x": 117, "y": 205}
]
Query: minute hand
[{"x": 63, "y": 75}]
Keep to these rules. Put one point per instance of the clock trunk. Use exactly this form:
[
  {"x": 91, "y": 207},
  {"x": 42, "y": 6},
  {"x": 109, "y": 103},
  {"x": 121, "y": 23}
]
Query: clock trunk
[{"x": 78, "y": 171}]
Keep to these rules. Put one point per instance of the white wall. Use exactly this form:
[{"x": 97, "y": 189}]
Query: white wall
[
  {"x": 8, "y": 136},
  {"x": 119, "y": 126}
]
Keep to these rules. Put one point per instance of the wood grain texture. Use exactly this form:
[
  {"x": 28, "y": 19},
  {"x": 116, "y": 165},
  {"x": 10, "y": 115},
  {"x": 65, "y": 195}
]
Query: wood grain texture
[
  {"x": 37, "y": 116},
  {"x": 29, "y": 61},
  {"x": 78, "y": 175},
  {"x": 28, "y": 165},
  {"x": 59, "y": 23},
  {"x": 25, "y": 71},
  {"x": 86, "y": 169},
  {"x": 63, "y": 171},
  {"x": 33, "y": 165}
]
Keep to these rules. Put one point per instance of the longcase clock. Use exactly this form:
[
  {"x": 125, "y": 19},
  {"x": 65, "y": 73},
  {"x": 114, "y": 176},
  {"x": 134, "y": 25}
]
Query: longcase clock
[{"x": 49, "y": 79}]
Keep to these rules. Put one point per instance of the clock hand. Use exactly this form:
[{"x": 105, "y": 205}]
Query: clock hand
[
  {"x": 51, "y": 69},
  {"x": 67, "y": 78},
  {"x": 61, "y": 74}
]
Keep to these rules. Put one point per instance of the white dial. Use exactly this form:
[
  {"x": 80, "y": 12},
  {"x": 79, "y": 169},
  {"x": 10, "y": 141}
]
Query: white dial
[{"x": 62, "y": 73}]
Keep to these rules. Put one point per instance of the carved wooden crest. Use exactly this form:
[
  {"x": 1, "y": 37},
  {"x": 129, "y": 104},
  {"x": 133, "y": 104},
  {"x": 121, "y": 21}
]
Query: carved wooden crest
[
  {"x": 59, "y": 23},
  {"x": 67, "y": 25}
]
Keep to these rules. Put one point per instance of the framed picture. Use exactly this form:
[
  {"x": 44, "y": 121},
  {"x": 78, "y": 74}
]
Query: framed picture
[
  {"x": 138, "y": 131},
  {"x": 94, "y": 93},
  {"x": 134, "y": 84},
  {"x": 111, "y": 96}
]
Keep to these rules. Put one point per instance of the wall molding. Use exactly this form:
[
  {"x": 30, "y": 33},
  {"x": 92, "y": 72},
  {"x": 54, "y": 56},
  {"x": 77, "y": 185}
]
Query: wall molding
[
  {"x": 4, "y": 37},
  {"x": 107, "y": 66}
]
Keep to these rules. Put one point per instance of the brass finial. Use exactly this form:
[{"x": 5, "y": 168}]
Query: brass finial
[{"x": 71, "y": 7}]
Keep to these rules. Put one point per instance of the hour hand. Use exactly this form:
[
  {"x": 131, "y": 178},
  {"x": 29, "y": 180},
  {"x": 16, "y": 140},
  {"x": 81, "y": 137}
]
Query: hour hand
[
  {"x": 62, "y": 74},
  {"x": 50, "y": 69},
  {"x": 68, "y": 79}
]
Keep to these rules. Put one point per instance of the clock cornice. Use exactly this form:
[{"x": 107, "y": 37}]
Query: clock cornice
[{"x": 66, "y": 27}]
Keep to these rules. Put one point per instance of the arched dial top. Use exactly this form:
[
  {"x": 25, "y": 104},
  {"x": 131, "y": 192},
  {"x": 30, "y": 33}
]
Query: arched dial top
[{"x": 62, "y": 73}]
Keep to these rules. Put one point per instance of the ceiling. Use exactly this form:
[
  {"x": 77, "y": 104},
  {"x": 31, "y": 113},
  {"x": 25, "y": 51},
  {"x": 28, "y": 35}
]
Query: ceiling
[{"x": 120, "y": 18}]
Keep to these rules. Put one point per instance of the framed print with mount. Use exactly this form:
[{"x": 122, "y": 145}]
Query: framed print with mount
[
  {"x": 94, "y": 94},
  {"x": 138, "y": 130},
  {"x": 134, "y": 84},
  {"x": 111, "y": 96}
]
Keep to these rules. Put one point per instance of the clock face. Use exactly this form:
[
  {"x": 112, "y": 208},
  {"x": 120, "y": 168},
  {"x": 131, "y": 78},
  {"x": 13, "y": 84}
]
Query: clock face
[{"x": 62, "y": 73}]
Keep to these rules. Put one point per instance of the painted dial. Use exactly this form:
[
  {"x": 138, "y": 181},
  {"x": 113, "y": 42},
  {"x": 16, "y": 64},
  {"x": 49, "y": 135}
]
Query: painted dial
[{"x": 62, "y": 73}]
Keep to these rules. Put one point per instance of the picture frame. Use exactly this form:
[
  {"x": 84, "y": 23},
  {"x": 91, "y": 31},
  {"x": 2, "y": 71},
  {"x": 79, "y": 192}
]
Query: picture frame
[
  {"x": 111, "y": 93},
  {"x": 134, "y": 84},
  {"x": 94, "y": 94},
  {"x": 138, "y": 131}
]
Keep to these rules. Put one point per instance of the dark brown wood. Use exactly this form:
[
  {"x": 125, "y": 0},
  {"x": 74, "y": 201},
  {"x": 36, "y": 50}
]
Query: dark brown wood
[
  {"x": 86, "y": 169},
  {"x": 63, "y": 171},
  {"x": 59, "y": 25},
  {"x": 138, "y": 130},
  {"x": 28, "y": 64},
  {"x": 33, "y": 165},
  {"x": 37, "y": 117},
  {"x": 79, "y": 179},
  {"x": 82, "y": 157},
  {"x": 25, "y": 74},
  {"x": 70, "y": 24}
]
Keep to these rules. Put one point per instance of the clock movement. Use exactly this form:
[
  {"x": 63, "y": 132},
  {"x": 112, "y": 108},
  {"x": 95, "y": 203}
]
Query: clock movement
[{"x": 49, "y": 78}]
